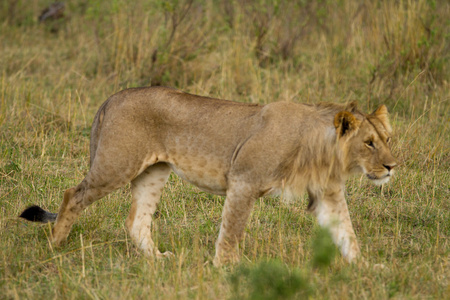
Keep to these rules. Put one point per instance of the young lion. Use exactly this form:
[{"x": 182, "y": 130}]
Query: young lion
[{"x": 242, "y": 151}]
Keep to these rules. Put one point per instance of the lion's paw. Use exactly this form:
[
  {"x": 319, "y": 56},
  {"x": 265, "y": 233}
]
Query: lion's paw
[
  {"x": 380, "y": 267},
  {"x": 225, "y": 260},
  {"x": 164, "y": 255}
]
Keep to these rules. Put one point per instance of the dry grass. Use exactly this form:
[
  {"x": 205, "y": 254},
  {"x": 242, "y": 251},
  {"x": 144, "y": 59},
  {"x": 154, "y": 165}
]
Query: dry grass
[{"x": 54, "y": 76}]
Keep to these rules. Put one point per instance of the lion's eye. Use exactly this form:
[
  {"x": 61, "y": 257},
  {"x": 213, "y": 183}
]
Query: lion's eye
[
  {"x": 388, "y": 140},
  {"x": 370, "y": 144}
]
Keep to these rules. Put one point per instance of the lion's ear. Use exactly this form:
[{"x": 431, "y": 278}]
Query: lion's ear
[
  {"x": 352, "y": 106},
  {"x": 345, "y": 123},
  {"x": 382, "y": 114}
]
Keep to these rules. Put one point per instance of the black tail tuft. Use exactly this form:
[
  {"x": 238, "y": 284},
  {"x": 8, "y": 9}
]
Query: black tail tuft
[{"x": 36, "y": 214}]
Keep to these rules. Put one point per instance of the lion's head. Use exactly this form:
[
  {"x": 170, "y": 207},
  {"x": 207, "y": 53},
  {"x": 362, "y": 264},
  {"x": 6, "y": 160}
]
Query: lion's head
[{"x": 366, "y": 144}]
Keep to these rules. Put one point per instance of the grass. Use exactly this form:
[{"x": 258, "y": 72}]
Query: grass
[{"x": 55, "y": 75}]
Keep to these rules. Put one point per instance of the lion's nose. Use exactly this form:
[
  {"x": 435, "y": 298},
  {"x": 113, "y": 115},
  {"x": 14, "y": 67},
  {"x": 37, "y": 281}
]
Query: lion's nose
[{"x": 390, "y": 166}]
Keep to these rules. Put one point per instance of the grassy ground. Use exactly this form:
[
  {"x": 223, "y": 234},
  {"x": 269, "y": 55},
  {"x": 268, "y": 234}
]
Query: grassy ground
[{"x": 55, "y": 74}]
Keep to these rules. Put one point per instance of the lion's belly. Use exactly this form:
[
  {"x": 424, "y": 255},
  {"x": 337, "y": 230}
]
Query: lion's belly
[{"x": 209, "y": 179}]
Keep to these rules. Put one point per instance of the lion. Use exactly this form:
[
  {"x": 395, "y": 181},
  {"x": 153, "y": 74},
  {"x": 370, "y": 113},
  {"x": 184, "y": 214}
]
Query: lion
[{"x": 238, "y": 150}]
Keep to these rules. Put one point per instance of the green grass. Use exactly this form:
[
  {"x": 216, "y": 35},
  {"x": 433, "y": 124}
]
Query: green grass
[{"x": 54, "y": 76}]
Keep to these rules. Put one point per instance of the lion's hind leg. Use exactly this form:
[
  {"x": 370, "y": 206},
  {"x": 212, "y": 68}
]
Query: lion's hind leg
[
  {"x": 75, "y": 200},
  {"x": 146, "y": 190},
  {"x": 105, "y": 176}
]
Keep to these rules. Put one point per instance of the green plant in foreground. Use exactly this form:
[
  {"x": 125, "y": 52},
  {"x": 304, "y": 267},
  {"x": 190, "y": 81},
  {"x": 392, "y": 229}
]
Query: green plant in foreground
[
  {"x": 323, "y": 248},
  {"x": 268, "y": 280},
  {"x": 272, "y": 279}
]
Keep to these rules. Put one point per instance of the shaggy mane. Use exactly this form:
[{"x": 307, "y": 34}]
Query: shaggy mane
[{"x": 317, "y": 157}]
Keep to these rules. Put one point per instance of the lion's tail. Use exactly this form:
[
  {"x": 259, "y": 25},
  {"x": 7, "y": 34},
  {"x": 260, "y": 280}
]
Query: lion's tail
[{"x": 36, "y": 214}]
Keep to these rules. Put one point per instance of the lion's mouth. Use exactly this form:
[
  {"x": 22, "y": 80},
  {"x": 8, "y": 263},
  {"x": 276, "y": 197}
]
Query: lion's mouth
[
  {"x": 375, "y": 177},
  {"x": 379, "y": 180}
]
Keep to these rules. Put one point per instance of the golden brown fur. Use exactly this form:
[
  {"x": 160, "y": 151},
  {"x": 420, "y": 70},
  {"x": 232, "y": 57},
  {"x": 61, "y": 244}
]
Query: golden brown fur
[{"x": 243, "y": 151}]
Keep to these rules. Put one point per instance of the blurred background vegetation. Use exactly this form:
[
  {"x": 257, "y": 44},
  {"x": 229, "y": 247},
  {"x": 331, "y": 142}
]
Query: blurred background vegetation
[{"x": 258, "y": 51}]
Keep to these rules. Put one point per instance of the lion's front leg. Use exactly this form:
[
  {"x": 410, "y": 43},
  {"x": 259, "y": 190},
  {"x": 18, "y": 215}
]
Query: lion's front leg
[
  {"x": 331, "y": 211},
  {"x": 237, "y": 208}
]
